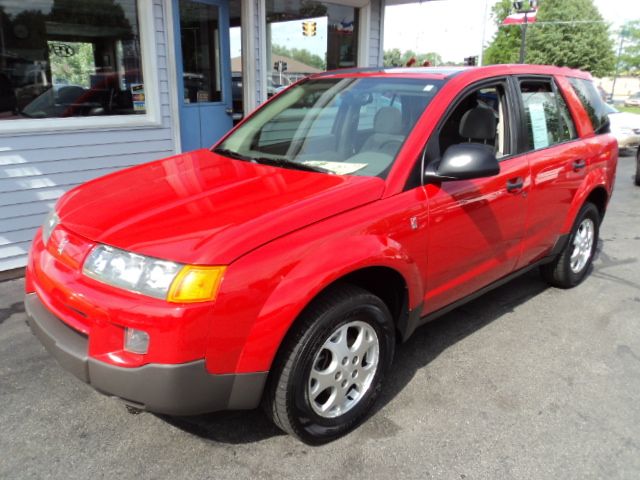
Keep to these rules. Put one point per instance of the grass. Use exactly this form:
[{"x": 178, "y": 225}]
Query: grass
[{"x": 622, "y": 108}]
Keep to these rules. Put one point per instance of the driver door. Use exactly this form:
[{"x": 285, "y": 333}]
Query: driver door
[{"x": 476, "y": 226}]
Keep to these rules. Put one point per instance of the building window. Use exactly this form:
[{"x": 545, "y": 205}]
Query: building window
[
  {"x": 70, "y": 58},
  {"x": 306, "y": 37}
]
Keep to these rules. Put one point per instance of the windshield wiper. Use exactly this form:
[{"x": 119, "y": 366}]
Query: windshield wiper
[
  {"x": 276, "y": 162},
  {"x": 231, "y": 154},
  {"x": 286, "y": 163}
]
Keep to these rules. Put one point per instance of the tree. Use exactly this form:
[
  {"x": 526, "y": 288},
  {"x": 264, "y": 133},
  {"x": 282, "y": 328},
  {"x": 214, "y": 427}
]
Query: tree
[
  {"x": 395, "y": 58},
  {"x": 569, "y": 33},
  {"x": 300, "y": 54},
  {"x": 630, "y": 57},
  {"x": 587, "y": 46},
  {"x": 105, "y": 13},
  {"x": 505, "y": 46},
  {"x": 392, "y": 58}
]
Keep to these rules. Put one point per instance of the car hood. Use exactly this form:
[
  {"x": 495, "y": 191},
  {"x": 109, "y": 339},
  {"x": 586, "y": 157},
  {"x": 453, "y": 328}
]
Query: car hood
[
  {"x": 203, "y": 208},
  {"x": 624, "y": 120}
]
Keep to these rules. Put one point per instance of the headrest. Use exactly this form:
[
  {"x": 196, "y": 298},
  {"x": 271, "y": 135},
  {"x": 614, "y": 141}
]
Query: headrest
[
  {"x": 388, "y": 120},
  {"x": 479, "y": 123}
]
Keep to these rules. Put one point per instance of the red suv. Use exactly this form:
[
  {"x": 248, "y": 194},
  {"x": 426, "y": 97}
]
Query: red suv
[{"x": 283, "y": 265}]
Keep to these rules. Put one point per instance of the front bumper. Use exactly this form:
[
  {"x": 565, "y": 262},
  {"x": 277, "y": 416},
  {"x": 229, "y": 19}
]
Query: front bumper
[{"x": 174, "y": 389}]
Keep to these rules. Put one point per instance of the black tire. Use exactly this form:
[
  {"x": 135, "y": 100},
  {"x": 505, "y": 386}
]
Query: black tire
[
  {"x": 559, "y": 272},
  {"x": 287, "y": 399},
  {"x": 637, "y": 179}
]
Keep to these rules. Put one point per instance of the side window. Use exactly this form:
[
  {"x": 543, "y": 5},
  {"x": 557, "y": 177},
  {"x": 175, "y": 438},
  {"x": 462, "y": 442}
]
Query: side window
[
  {"x": 480, "y": 117},
  {"x": 376, "y": 102},
  {"x": 547, "y": 118},
  {"x": 592, "y": 102},
  {"x": 567, "y": 126}
]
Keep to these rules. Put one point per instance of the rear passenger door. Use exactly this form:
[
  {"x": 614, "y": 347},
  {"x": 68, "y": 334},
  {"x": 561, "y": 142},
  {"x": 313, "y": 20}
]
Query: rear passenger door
[{"x": 549, "y": 142}]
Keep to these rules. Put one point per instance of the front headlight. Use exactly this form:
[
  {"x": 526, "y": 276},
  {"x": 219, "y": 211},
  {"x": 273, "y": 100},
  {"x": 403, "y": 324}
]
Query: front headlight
[
  {"x": 162, "y": 279},
  {"x": 49, "y": 224}
]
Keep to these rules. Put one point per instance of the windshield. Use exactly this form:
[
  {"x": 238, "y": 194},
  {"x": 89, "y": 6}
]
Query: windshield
[{"x": 345, "y": 126}]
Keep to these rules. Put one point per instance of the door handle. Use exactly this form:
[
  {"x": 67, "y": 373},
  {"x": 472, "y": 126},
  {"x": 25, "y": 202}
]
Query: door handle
[
  {"x": 578, "y": 164},
  {"x": 515, "y": 184},
  {"x": 229, "y": 111}
]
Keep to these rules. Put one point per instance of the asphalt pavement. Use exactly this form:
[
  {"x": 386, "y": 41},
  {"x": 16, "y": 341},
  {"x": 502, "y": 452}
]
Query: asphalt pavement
[{"x": 525, "y": 382}]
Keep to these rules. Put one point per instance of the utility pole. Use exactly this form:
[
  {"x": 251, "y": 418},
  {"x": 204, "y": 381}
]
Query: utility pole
[
  {"x": 623, "y": 32},
  {"x": 484, "y": 32}
]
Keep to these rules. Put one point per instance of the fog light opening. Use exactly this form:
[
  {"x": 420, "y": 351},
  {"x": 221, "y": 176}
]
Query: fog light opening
[{"x": 136, "y": 341}]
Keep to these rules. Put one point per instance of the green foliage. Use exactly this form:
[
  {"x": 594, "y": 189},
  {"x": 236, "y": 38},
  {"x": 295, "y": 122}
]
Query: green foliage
[
  {"x": 574, "y": 44},
  {"x": 586, "y": 46},
  {"x": 630, "y": 58},
  {"x": 395, "y": 58},
  {"x": 622, "y": 108},
  {"x": 302, "y": 55},
  {"x": 505, "y": 47}
]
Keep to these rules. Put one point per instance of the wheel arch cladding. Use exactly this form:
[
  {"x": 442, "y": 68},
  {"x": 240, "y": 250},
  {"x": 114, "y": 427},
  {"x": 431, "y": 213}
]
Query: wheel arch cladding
[{"x": 599, "y": 197}]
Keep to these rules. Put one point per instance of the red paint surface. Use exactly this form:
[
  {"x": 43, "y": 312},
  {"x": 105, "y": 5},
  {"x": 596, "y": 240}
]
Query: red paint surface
[{"x": 285, "y": 235}]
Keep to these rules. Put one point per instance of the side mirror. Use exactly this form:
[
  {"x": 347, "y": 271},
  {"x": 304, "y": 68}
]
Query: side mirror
[{"x": 464, "y": 161}]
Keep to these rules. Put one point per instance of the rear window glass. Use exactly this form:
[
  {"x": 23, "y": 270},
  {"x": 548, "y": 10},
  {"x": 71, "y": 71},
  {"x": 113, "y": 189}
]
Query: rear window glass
[{"x": 592, "y": 103}]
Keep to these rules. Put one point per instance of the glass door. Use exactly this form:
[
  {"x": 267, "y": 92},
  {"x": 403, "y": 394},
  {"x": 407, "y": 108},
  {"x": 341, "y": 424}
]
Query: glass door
[{"x": 204, "y": 71}]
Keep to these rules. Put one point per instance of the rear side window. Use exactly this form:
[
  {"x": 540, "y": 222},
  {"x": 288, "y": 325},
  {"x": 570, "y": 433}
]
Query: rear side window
[
  {"x": 592, "y": 103},
  {"x": 547, "y": 118}
]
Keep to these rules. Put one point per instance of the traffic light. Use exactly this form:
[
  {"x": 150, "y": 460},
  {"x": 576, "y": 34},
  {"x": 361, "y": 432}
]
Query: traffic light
[
  {"x": 309, "y": 28},
  {"x": 471, "y": 61},
  {"x": 280, "y": 66}
]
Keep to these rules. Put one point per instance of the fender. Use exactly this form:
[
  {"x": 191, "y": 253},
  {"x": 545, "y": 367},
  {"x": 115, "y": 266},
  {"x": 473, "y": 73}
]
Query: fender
[
  {"x": 594, "y": 179},
  {"x": 314, "y": 273}
]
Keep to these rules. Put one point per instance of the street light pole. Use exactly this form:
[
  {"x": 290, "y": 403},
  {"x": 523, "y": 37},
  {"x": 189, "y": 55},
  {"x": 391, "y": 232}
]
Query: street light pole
[
  {"x": 519, "y": 6},
  {"x": 523, "y": 42}
]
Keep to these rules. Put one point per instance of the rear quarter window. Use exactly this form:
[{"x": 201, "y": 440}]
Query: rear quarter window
[{"x": 592, "y": 103}]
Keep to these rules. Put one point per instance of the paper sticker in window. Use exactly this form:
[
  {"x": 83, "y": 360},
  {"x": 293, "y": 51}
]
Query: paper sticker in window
[
  {"x": 339, "y": 168},
  {"x": 137, "y": 94},
  {"x": 538, "y": 126}
]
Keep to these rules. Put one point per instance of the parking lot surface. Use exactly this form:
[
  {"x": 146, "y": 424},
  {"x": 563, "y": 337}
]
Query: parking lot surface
[{"x": 524, "y": 382}]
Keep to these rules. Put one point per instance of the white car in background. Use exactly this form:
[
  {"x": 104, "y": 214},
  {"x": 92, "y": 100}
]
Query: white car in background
[
  {"x": 625, "y": 127},
  {"x": 633, "y": 100}
]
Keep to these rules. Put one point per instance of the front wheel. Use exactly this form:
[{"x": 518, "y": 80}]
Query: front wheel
[
  {"x": 330, "y": 368},
  {"x": 571, "y": 266}
]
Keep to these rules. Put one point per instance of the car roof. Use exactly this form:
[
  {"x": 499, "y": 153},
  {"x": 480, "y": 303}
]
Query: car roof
[{"x": 444, "y": 73}]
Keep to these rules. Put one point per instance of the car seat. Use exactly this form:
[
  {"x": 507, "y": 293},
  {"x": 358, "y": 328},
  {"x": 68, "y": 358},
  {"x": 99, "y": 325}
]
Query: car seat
[{"x": 387, "y": 134}]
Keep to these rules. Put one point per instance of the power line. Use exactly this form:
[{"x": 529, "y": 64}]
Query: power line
[{"x": 570, "y": 22}]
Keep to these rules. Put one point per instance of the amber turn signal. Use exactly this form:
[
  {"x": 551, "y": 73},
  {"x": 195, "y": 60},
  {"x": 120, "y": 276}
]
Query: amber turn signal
[{"x": 196, "y": 283}]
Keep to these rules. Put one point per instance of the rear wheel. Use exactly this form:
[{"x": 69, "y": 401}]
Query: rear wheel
[
  {"x": 571, "y": 266},
  {"x": 330, "y": 369}
]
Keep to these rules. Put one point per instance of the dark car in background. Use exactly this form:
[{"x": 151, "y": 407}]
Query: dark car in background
[{"x": 638, "y": 167}]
